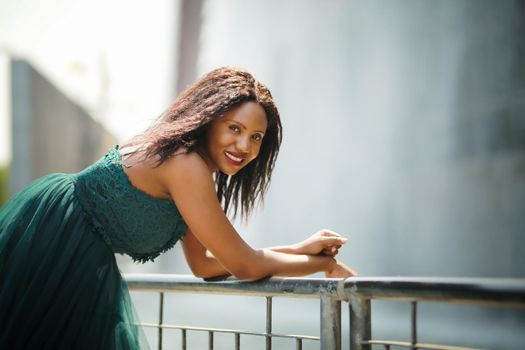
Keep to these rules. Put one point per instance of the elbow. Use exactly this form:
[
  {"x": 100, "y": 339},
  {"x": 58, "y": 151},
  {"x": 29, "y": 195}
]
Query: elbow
[
  {"x": 199, "y": 274},
  {"x": 204, "y": 274},
  {"x": 249, "y": 274},
  {"x": 240, "y": 274},
  {"x": 199, "y": 271},
  {"x": 251, "y": 268}
]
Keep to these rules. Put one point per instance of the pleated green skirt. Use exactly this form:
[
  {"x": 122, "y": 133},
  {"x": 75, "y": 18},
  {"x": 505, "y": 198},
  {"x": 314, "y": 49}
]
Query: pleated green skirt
[{"x": 60, "y": 287}]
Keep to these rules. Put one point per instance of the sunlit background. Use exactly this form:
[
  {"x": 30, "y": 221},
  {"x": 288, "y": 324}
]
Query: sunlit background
[{"x": 404, "y": 128}]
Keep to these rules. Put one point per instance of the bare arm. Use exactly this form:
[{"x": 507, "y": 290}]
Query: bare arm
[
  {"x": 204, "y": 264},
  {"x": 323, "y": 242},
  {"x": 201, "y": 262},
  {"x": 191, "y": 186}
]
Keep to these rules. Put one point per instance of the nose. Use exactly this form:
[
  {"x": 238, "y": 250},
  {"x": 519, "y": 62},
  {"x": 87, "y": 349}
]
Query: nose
[{"x": 243, "y": 144}]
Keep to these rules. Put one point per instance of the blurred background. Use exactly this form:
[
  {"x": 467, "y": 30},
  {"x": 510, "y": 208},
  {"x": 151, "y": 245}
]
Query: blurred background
[{"x": 404, "y": 129}]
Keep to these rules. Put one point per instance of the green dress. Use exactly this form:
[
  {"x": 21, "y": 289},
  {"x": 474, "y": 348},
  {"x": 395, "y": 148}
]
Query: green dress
[{"x": 60, "y": 287}]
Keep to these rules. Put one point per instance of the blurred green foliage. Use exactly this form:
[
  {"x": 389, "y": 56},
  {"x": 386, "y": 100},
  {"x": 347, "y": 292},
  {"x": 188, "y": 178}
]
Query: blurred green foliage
[{"x": 4, "y": 178}]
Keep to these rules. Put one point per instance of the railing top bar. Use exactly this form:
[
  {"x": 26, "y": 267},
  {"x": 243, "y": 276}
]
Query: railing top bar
[
  {"x": 478, "y": 290},
  {"x": 275, "y": 286}
]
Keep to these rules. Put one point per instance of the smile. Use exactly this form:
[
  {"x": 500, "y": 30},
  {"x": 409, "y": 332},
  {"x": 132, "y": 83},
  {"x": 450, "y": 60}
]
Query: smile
[{"x": 233, "y": 159}]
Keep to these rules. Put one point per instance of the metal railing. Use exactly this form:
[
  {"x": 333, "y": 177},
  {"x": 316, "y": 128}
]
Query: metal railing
[{"x": 330, "y": 292}]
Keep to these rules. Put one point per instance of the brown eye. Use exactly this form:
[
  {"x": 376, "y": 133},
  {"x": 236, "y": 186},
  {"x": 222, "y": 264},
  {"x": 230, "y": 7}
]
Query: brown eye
[
  {"x": 257, "y": 137},
  {"x": 234, "y": 128}
]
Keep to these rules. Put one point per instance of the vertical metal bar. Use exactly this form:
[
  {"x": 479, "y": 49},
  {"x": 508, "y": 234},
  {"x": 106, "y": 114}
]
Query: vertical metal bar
[
  {"x": 414, "y": 324},
  {"x": 237, "y": 341},
  {"x": 183, "y": 339},
  {"x": 330, "y": 323},
  {"x": 360, "y": 322},
  {"x": 210, "y": 340},
  {"x": 268, "y": 323},
  {"x": 161, "y": 318},
  {"x": 298, "y": 344}
]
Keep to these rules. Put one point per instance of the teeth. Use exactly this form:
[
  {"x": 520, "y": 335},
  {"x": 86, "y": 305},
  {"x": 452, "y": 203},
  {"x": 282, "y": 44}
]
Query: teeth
[{"x": 232, "y": 157}]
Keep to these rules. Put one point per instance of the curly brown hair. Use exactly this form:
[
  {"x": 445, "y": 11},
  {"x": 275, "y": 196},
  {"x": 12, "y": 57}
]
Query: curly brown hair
[{"x": 184, "y": 125}]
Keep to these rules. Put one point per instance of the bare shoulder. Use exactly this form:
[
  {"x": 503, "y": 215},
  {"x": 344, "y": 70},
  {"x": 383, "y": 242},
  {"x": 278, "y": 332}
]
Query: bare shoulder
[
  {"x": 186, "y": 170},
  {"x": 188, "y": 162}
]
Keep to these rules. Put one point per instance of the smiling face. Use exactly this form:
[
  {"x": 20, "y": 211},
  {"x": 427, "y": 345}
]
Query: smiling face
[{"x": 234, "y": 139}]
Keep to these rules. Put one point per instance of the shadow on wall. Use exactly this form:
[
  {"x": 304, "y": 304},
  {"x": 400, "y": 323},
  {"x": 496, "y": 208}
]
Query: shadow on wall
[{"x": 50, "y": 132}]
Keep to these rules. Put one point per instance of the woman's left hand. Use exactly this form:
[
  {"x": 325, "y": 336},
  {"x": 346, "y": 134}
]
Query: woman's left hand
[
  {"x": 340, "y": 270},
  {"x": 323, "y": 242}
]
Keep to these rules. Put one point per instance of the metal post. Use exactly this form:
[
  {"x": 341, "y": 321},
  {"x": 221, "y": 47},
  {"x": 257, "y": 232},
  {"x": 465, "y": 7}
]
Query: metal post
[
  {"x": 161, "y": 318},
  {"x": 298, "y": 344},
  {"x": 360, "y": 322},
  {"x": 237, "y": 341},
  {"x": 330, "y": 323},
  {"x": 183, "y": 339},
  {"x": 414, "y": 324},
  {"x": 268, "y": 323},
  {"x": 210, "y": 340}
]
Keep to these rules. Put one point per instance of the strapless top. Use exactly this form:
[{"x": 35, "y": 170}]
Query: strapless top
[{"x": 129, "y": 220}]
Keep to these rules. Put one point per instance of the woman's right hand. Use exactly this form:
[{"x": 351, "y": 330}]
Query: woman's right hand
[
  {"x": 340, "y": 270},
  {"x": 323, "y": 242}
]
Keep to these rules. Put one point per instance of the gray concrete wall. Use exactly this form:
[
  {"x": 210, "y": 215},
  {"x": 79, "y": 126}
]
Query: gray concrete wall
[
  {"x": 403, "y": 127},
  {"x": 50, "y": 132}
]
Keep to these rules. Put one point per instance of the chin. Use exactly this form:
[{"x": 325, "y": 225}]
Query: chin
[
  {"x": 230, "y": 172},
  {"x": 230, "y": 169}
]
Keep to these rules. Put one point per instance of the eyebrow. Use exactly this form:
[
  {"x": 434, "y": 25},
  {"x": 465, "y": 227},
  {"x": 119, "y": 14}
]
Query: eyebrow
[{"x": 241, "y": 124}]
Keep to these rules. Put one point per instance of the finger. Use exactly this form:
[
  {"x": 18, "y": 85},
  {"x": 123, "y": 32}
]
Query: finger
[
  {"x": 334, "y": 241},
  {"x": 331, "y": 249},
  {"x": 352, "y": 272},
  {"x": 328, "y": 251},
  {"x": 330, "y": 233}
]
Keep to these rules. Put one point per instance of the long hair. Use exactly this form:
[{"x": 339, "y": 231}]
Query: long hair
[{"x": 184, "y": 125}]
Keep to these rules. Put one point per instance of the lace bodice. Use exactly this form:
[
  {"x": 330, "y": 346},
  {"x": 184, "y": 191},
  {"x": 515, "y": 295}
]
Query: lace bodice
[{"x": 130, "y": 221}]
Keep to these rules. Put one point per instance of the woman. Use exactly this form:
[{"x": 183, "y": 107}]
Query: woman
[{"x": 212, "y": 151}]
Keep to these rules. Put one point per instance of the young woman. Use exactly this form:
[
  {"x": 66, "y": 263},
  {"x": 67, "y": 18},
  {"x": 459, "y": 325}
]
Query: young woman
[{"x": 211, "y": 152}]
